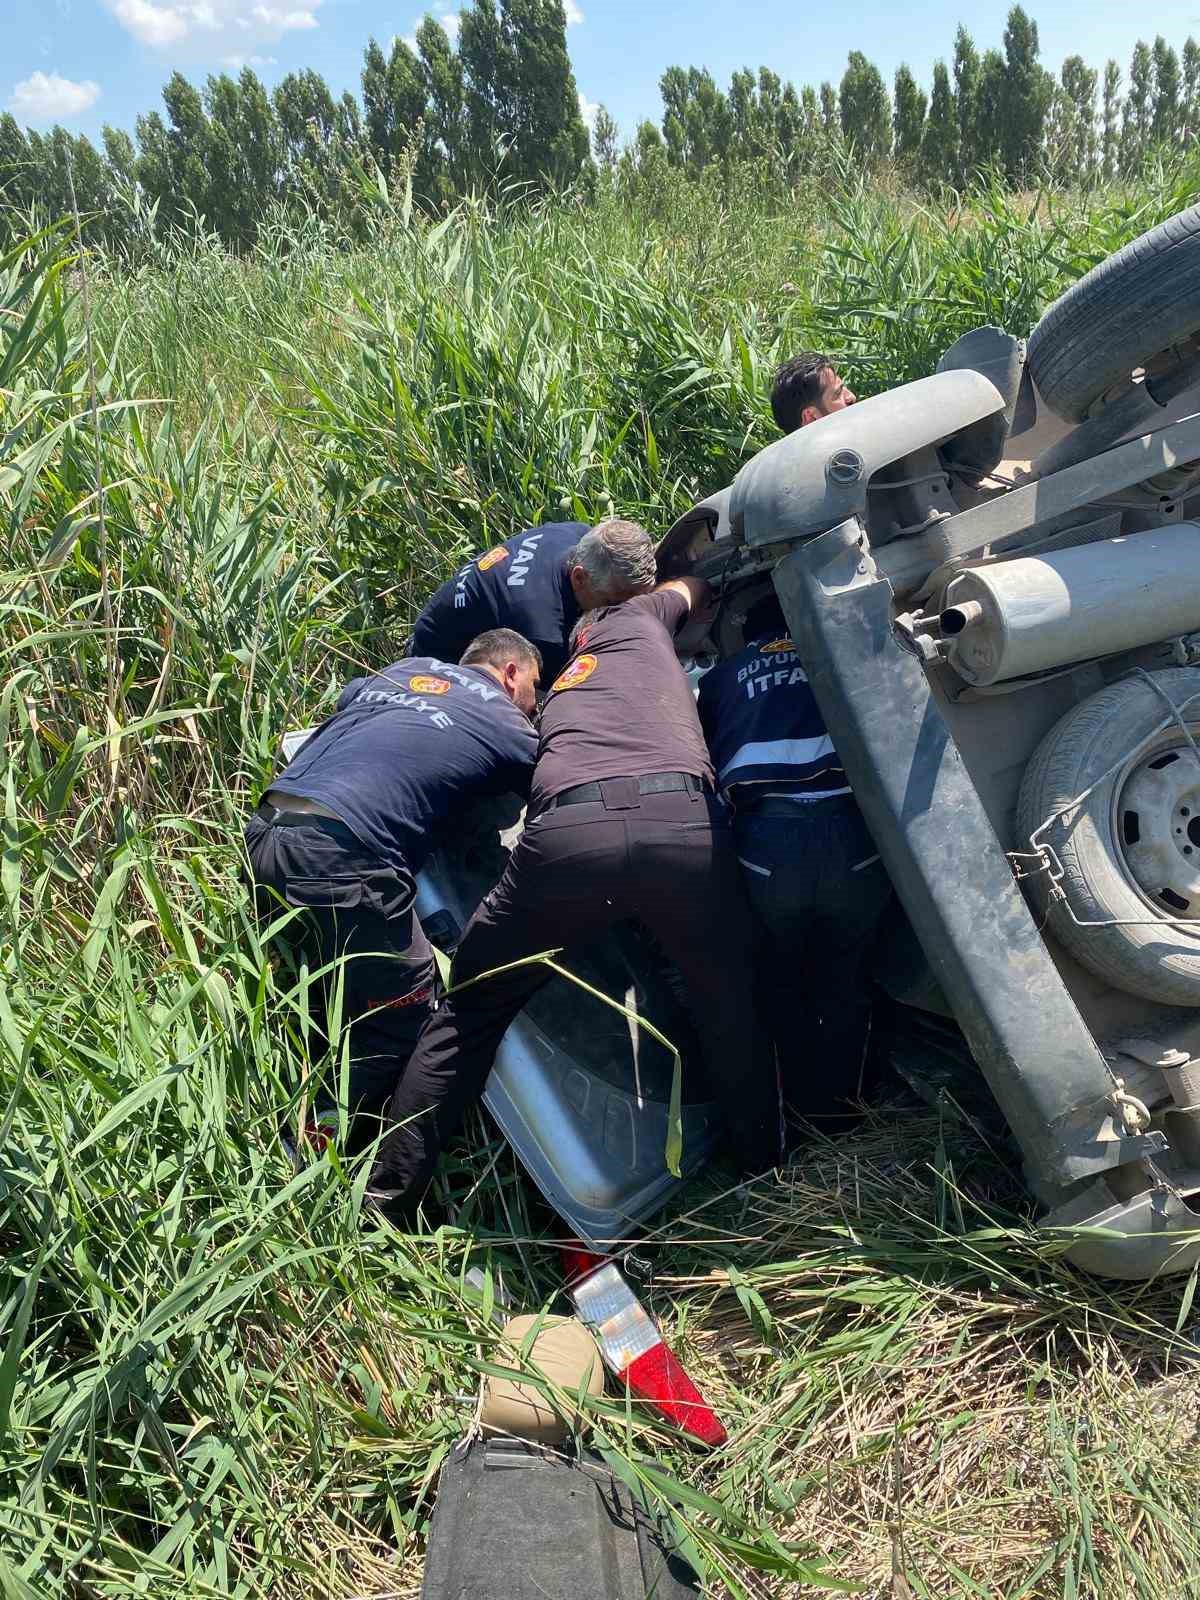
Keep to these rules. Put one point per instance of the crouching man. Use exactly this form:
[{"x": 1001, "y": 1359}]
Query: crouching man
[
  {"x": 811, "y": 870},
  {"x": 623, "y": 823},
  {"x": 342, "y": 833},
  {"x": 538, "y": 582}
]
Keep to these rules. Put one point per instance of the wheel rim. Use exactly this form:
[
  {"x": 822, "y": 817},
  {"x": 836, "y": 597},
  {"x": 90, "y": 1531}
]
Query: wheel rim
[{"x": 1156, "y": 827}]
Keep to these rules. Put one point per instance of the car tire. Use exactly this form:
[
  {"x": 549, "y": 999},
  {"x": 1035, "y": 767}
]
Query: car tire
[
  {"x": 1138, "y": 302},
  {"x": 1113, "y": 845}
]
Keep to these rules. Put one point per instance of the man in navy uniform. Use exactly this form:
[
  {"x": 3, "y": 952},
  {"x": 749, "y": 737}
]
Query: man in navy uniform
[
  {"x": 811, "y": 870},
  {"x": 623, "y": 822},
  {"x": 537, "y": 583},
  {"x": 345, "y": 828}
]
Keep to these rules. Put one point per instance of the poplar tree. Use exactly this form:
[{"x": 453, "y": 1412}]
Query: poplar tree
[
  {"x": 966, "y": 99},
  {"x": 908, "y": 119},
  {"x": 441, "y": 68},
  {"x": 604, "y": 139},
  {"x": 1191, "y": 88},
  {"x": 1027, "y": 91},
  {"x": 1139, "y": 108},
  {"x": 1165, "y": 120},
  {"x": 939, "y": 142},
  {"x": 829, "y": 110},
  {"x": 866, "y": 111},
  {"x": 488, "y": 81},
  {"x": 990, "y": 110},
  {"x": 1110, "y": 138}
]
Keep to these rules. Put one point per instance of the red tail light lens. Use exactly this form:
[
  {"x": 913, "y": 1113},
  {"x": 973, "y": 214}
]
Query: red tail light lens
[{"x": 634, "y": 1349}]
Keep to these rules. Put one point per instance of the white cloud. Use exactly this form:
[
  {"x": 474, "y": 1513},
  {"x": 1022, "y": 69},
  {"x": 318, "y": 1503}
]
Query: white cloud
[
  {"x": 47, "y": 97},
  {"x": 573, "y": 13},
  {"x": 236, "y": 63},
  {"x": 587, "y": 110},
  {"x": 160, "y": 23}
]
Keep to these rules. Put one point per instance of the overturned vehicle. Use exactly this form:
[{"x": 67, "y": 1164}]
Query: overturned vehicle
[{"x": 992, "y": 576}]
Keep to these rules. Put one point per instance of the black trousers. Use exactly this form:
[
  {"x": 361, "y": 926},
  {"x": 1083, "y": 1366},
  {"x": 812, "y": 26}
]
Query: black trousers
[
  {"x": 819, "y": 891},
  {"x": 665, "y": 859},
  {"x": 358, "y": 925}
]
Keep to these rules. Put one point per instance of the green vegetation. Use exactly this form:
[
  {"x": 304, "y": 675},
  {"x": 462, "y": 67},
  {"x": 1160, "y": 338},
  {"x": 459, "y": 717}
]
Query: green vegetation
[{"x": 226, "y": 484}]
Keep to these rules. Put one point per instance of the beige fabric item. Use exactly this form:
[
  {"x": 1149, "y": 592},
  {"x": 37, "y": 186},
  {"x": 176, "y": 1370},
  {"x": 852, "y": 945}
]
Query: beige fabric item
[{"x": 565, "y": 1353}]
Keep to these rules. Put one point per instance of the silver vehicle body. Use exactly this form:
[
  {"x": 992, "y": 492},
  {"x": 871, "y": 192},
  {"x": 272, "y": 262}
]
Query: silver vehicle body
[{"x": 890, "y": 555}]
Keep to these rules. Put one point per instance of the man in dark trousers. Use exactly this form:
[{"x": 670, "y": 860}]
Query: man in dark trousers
[
  {"x": 345, "y": 828},
  {"x": 537, "y": 583},
  {"x": 624, "y": 822},
  {"x": 811, "y": 869}
]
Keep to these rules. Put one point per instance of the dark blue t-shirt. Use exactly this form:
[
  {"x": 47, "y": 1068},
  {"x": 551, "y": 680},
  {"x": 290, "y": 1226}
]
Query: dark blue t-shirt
[
  {"x": 520, "y": 584},
  {"x": 409, "y": 745},
  {"x": 763, "y": 727}
]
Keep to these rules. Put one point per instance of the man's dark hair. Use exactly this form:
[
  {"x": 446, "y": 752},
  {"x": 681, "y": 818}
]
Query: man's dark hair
[
  {"x": 764, "y": 616},
  {"x": 798, "y": 384},
  {"x": 497, "y": 646}
]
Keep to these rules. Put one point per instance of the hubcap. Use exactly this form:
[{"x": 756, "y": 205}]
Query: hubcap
[{"x": 1158, "y": 828}]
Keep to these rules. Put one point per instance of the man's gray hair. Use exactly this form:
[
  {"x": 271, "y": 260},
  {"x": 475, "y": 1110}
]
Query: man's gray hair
[{"x": 618, "y": 557}]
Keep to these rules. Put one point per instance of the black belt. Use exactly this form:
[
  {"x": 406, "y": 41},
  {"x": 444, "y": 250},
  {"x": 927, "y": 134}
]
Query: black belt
[
  {"x": 650, "y": 783},
  {"x": 274, "y": 817}
]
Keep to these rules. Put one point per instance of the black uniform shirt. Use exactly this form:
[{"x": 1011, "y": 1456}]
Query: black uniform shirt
[
  {"x": 623, "y": 707},
  {"x": 521, "y": 584},
  {"x": 406, "y": 746},
  {"x": 763, "y": 726}
]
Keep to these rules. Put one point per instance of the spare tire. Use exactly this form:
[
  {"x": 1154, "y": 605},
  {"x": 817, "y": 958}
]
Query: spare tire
[
  {"x": 1135, "y": 304},
  {"x": 1130, "y": 850}
]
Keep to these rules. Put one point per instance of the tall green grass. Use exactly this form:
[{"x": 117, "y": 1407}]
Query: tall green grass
[{"x": 215, "y": 1379}]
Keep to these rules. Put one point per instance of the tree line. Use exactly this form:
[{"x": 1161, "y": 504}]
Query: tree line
[
  {"x": 500, "y": 107},
  {"x": 996, "y": 112}
]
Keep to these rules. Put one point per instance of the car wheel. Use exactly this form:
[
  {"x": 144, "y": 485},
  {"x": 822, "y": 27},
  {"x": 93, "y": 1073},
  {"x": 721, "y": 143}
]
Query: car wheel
[
  {"x": 1135, "y": 304},
  {"x": 1123, "y": 890}
]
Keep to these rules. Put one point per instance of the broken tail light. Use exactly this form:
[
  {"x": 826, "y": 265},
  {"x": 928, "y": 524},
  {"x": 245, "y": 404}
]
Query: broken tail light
[{"x": 636, "y": 1352}]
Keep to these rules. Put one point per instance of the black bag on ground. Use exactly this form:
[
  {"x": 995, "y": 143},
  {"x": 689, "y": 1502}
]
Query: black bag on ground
[{"x": 513, "y": 1522}]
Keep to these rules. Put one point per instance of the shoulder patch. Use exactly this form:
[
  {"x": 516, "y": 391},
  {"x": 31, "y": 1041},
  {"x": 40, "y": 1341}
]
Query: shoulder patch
[
  {"x": 776, "y": 647},
  {"x": 425, "y": 685},
  {"x": 492, "y": 558},
  {"x": 578, "y": 672}
]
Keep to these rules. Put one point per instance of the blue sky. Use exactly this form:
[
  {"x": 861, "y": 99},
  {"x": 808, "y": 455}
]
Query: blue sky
[{"x": 87, "y": 62}]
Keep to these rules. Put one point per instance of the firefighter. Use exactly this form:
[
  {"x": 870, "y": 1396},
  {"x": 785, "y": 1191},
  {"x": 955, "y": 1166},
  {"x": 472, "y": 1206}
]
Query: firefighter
[
  {"x": 624, "y": 822},
  {"x": 810, "y": 867},
  {"x": 344, "y": 830},
  {"x": 537, "y": 583}
]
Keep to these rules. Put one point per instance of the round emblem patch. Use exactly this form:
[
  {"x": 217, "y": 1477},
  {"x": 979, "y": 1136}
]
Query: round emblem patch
[
  {"x": 578, "y": 672},
  {"x": 423, "y": 685},
  {"x": 776, "y": 647},
  {"x": 493, "y": 558}
]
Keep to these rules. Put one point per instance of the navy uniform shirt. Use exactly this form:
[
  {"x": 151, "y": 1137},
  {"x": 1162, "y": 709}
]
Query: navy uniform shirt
[
  {"x": 406, "y": 746},
  {"x": 520, "y": 584},
  {"x": 763, "y": 727}
]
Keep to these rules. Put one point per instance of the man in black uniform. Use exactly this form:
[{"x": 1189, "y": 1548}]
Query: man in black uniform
[
  {"x": 623, "y": 823},
  {"x": 811, "y": 869},
  {"x": 345, "y": 828},
  {"x": 537, "y": 583}
]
